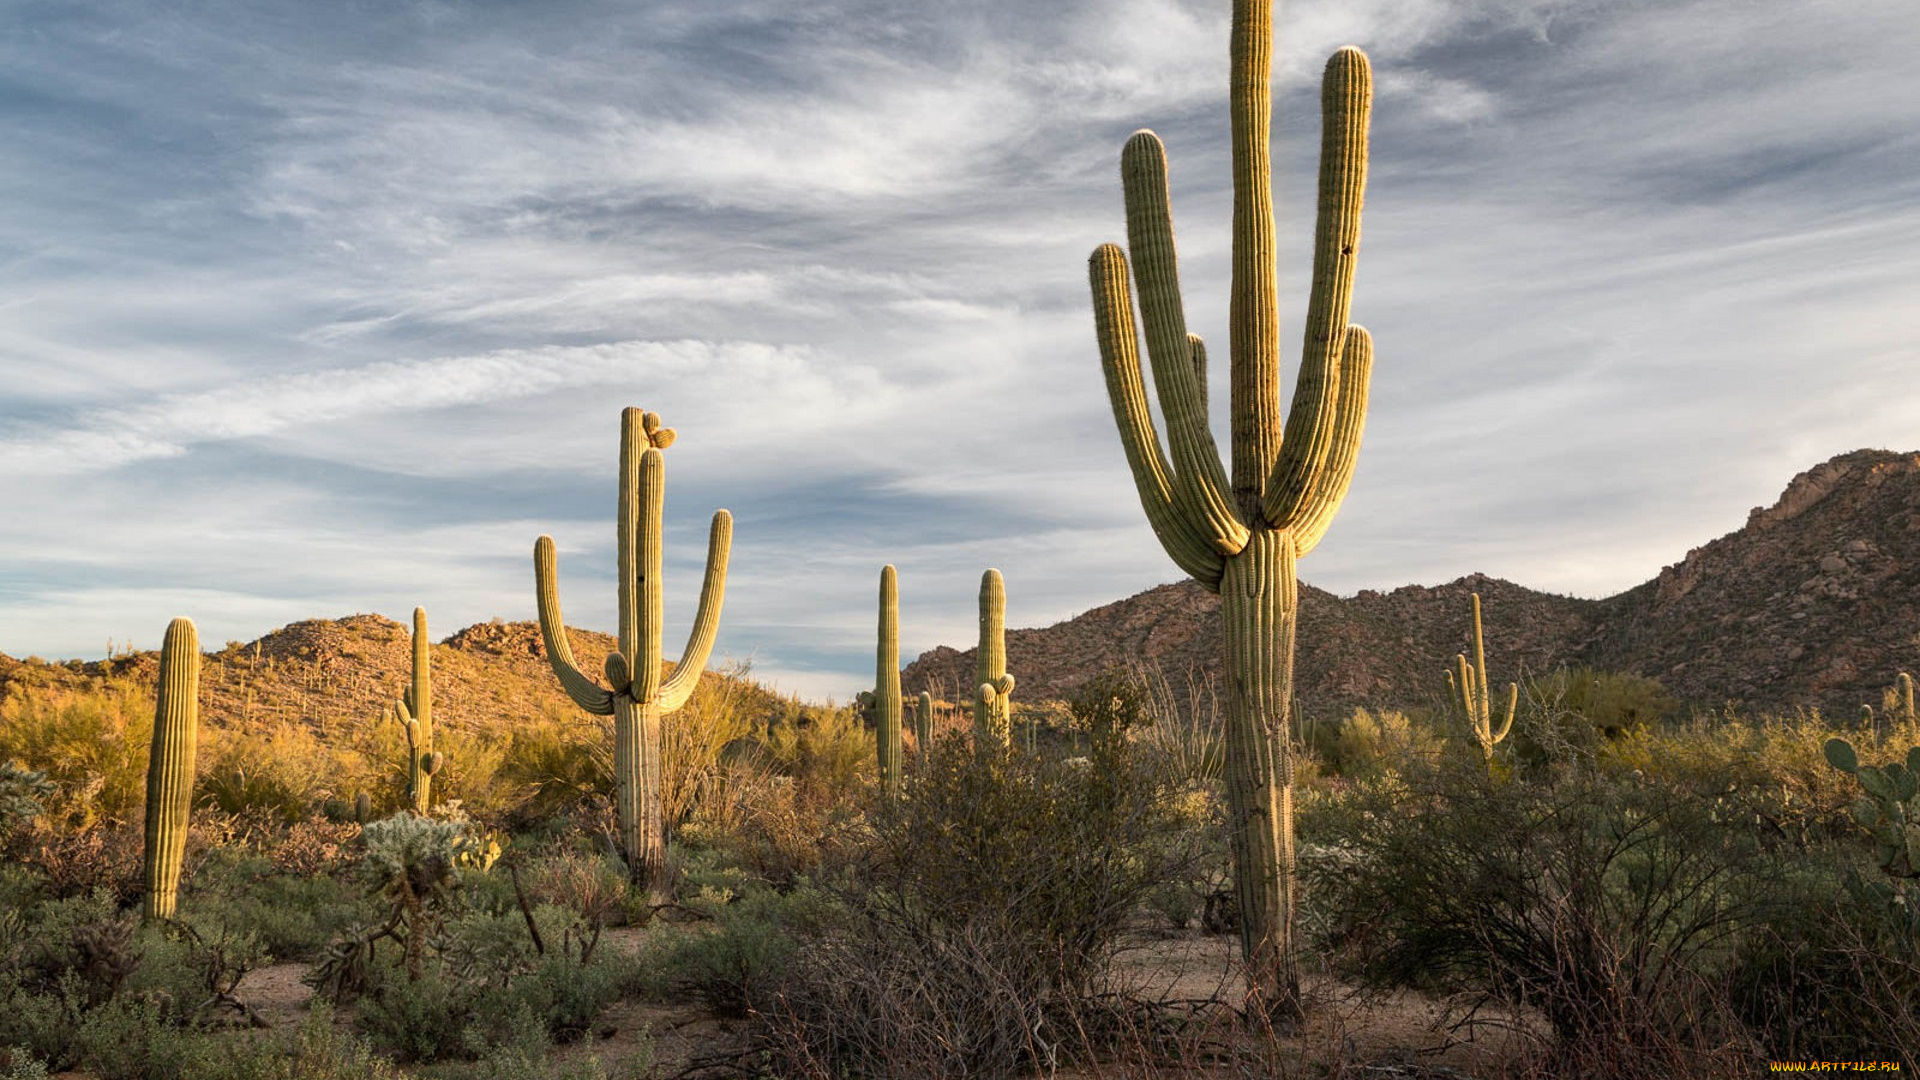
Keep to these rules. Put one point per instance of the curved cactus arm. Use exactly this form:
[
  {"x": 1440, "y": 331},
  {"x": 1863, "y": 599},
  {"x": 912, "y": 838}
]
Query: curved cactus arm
[
  {"x": 1184, "y": 540},
  {"x": 706, "y": 618},
  {"x": 1200, "y": 481},
  {"x": 1309, "y": 512},
  {"x": 1513, "y": 706},
  {"x": 643, "y": 614},
  {"x": 1346, "y": 99},
  {"x": 553, "y": 631}
]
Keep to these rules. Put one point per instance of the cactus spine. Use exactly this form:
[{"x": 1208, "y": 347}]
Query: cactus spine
[
  {"x": 414, "y": 710},
  {"x": 1470, "y": 692},
  {"x": 639, "y": 696},
  {"x": 923, "y": 722},
  {"x": 886, "y": 681},
  {"x": 176, "y": 724},
  {"x": 992, "y": 718},
  {"x": 1240, "y": 535}
]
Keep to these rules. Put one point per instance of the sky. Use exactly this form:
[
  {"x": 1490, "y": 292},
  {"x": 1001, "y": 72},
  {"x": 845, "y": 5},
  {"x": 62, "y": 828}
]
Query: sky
[{"x": 315, "y": 309}]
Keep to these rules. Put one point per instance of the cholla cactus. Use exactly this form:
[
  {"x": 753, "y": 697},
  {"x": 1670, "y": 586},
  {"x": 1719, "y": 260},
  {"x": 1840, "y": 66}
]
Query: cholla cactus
[
  {"x": 1240, "y": 535},
  {"x": 176, "y": 732},
  {"x": 1469, "y": 691},
  {"x": 639, "y": 696},
  {"x": 1889, "y": 808},
  {"x": 992, "y": 703},
  {"x": 410, "y": 862},
  {"x": 414, "y": 711},
  {"x": 886, "y": 681}
]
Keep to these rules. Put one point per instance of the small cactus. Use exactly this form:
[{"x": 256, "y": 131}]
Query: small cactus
[
  {"x": 1469, "y": 691},
  {"x": 923, "y": 722},
  {"x": 886, "y": 692},
  {"x": 414, "y": 711},
  {"x": 362, "y": 808},
  {"x": 1888, "y": 809},
  {"x": 176, "y": 724},
  {"x": 992, "y": 721}
]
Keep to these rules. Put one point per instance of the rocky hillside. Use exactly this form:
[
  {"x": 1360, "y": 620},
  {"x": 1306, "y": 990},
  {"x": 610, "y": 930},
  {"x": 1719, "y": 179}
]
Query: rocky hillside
[
  {"x": 331, "y": 672},
  {"x": 1815, "y": 602}
]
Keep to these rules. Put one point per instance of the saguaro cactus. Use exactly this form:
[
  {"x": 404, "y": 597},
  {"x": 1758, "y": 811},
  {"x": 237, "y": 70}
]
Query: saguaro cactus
[
  {"x": 992, "y": 704},
  {"x": 1470, "y": 691},
  {"x": 414, "y": 711},
  {"x": 1241, "y": 536},
  {"x": 923, "y": 722},
  {"x": 886, "y": 681},
  {"x": 639, "y": 696},
  {"x": 176, "y": 731}
]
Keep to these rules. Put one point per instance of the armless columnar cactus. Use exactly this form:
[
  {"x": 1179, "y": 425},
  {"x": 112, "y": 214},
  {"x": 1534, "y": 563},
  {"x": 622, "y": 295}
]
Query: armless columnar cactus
[
  {"x": 992, "y": 704},
  {"x": 1240, "y": 536},
  {"x": 639, "y": 696},
  {"x": 176, "y": 730},
  {"x": 886, "y": 681},
  {"x": 414, "y": 710},
  {"x": 923, "y": 722},
  {"x": 1470, "y": 691}
]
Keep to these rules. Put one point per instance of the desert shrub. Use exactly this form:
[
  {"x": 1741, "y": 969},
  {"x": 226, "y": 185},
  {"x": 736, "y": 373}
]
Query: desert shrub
[
  {"x": 279, "y": 771},
  {"x": 552, "y": 764},
  {"x": 90, "y": 743},
  {"x": 23, "y": 793},
  {"x": 292, "y": 916},
  {"x": 1569, "y": 714},
  {"x": 979, "y": 919},
  {"x": 828, "y": 750},
  {"x": 1613, "y": 909},
  {"x": 736, "y": 964},
  {"x": 1367, "y": 743}
]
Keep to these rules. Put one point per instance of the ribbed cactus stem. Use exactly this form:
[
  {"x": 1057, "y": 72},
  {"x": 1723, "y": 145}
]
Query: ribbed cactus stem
[
  {"x": 176, "y": 724},
  {"x": 992, "y": 704},
  {"x": 1240, "y": 533},
  {"x": 1473, "y": 696},
  {"x": 886, "y": 682},
  {"x": 923, "y": 721},
  {"x": 416, "y": 714},
  {"x": 1904, "y": 689},
  {"x": 640, "y": 695}
]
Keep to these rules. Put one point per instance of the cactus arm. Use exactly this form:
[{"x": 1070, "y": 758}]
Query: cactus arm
[
  {"x": 1513, "y": 706},
  {"x": 706, "y": 619},
  {"x": 642, "y": 544},
  {"x": 1479, "y": 660},
  {"x": 1308, "y": 513},
  {"x": 1253, "y": 313},
  {"x": 170, "y": 767},
  {"x": 1200, "y": 482},
  {"x": 584, "y": 691},
  {"x": 1182, "y": 538},
  {"x": 1313, "y": 420}
]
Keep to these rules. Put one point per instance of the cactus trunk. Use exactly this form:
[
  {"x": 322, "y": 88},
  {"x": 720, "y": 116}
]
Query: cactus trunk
[
  {"x": 176, "y": 724},
  {"x": 886, "y": 682},
  {"x": 923, "y": 722},
  {"x": 1259, "y": 605},
  {"x": 640, "y": 697}
]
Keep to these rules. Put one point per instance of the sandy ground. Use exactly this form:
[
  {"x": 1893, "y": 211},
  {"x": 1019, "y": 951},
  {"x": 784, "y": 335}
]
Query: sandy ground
[{"x": 1400, "y": 1035}]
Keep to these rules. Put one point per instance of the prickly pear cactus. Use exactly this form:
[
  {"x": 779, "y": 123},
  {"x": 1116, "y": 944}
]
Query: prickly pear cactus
[
  {"x": 1888, "y": 808},
  {"x": 176, "y": 724}
]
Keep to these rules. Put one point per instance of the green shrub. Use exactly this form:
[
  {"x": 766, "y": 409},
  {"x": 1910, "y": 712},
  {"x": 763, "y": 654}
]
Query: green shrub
[
  {"x": 735, "y": 965},
  {"x": 1613, "y": 908},
  {"x": 1369, "y": 744},
  {"x": 90, "y": 743}
]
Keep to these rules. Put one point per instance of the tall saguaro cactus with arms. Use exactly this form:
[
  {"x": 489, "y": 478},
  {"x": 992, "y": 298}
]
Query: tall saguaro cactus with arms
[
  {"x": 1239, "y": 535},
  {"x": 414, "y": 711},
  {"x": 639, "y": 696}
]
